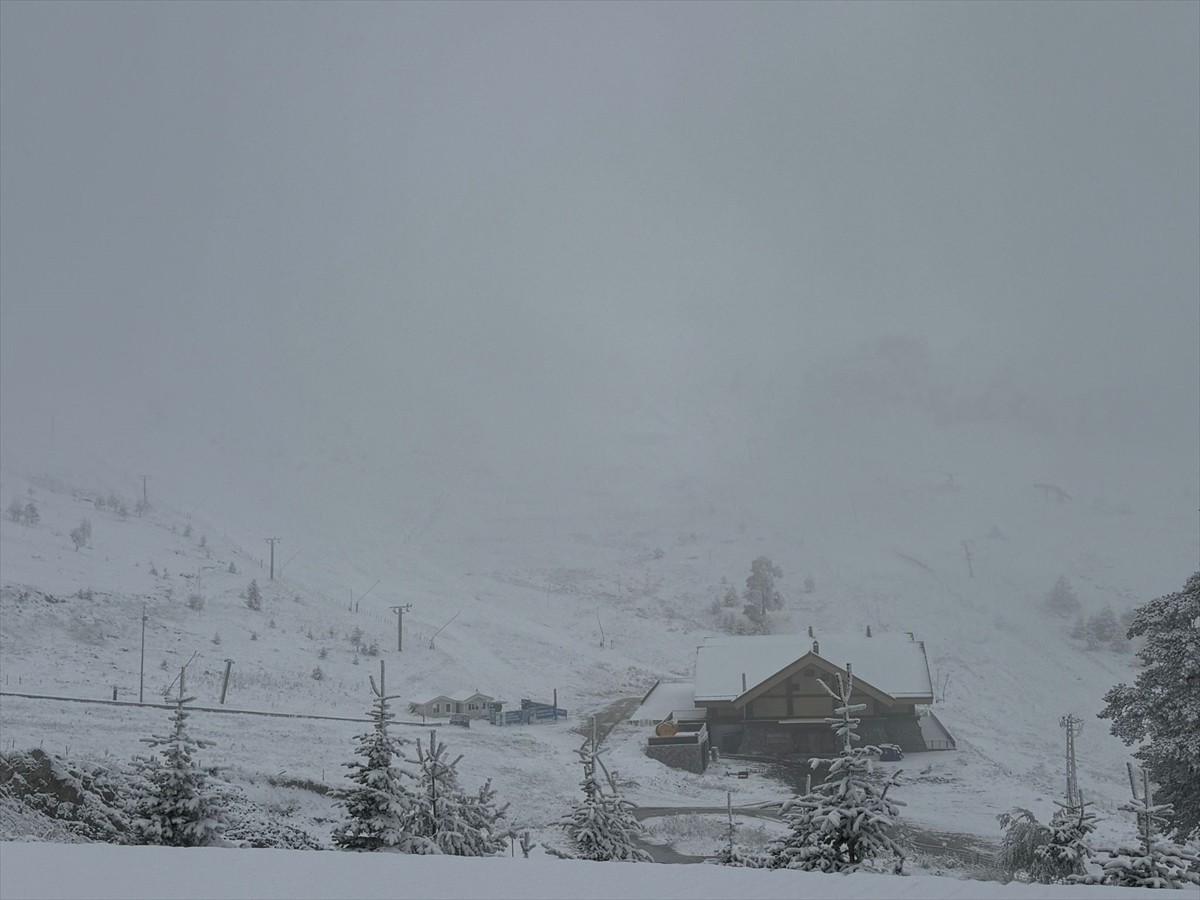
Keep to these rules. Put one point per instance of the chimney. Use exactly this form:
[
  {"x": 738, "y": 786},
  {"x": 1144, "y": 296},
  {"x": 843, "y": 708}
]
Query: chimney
[
  {"x": 816, "y": 648},
  {"x": 810, "y": 634},
  {"x": 743, "y": 682},
  {"x": 868, "y": 631}
]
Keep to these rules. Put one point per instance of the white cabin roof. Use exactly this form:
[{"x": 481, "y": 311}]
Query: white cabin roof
[
  {"x": 893, "y": 662},
  {"x": 665, "y": 698}
]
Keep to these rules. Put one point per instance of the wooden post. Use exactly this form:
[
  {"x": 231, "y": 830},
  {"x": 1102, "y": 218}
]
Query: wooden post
[
  {"x": 142, "y": 666},
  {"x": 225, "y": 682}
]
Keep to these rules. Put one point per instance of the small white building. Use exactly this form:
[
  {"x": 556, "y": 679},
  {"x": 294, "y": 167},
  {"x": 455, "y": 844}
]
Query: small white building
[{"x": 473, "y": 703}]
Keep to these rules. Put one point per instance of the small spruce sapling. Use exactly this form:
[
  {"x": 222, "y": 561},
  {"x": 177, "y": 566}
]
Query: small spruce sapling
[
  {"x": 601, "y": 827},
  {"x": 447, "y": 820},
  {"x": 178, "y": 807},
  {"x": 380, "y": 805},
  {"x": 1068, "y": 847},
  {"x": 253, "y": 595}
]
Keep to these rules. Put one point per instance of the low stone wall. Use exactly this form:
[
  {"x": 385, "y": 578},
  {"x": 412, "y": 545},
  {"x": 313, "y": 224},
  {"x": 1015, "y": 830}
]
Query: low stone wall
[{"x": 691, "y": 756}]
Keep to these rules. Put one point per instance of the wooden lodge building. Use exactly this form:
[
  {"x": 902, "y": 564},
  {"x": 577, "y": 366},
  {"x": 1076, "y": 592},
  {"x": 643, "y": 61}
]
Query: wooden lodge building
[{"x": 759, "y": 695}]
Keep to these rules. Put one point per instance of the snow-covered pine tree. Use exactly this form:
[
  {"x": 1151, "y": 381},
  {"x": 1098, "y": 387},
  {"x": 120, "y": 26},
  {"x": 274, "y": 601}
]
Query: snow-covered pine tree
[
  {"x": 1061, "y": 598},
  {"x": 253, "y": 595},
  {"x": 445, "y": 819},
  {"x": 177, "y": 806},
  {"x": 1024, "y": 836},
  {"x": 601, "y": 827},
  {"x": 1154, "y": 862},
  {"x": 1164, "y": 703},
  {"x": 842, "y": 825},
  {"x": 379, "y": 808},
  {"x": 1067, "y": 848}
]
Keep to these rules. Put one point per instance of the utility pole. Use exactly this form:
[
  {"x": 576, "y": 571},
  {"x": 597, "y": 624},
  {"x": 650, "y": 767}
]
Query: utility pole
[
  {"x": 142, "y": 668},
  {"x": 1073, "y": 724},
  {"x": 145, "y": 499},
  {"x": 225, "y": 683},
  {"x": 272, "y": 541},
  {"x": 966, "y": 545},
  {"x": 400, "y": 611}
]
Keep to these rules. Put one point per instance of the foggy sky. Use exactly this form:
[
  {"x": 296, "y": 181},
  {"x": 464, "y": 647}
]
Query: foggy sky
[{"x": 472, "y": 220}]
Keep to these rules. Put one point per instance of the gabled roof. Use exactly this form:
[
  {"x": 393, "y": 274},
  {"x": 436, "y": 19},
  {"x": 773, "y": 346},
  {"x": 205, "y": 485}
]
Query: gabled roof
[{"x": 894, "y": 663}]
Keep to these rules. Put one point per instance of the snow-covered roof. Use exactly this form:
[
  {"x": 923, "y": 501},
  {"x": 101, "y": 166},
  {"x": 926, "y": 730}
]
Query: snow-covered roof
[
  {"x": 460, "y": 696},
  {"x": 892, "y": 662},
  {"x": 664, "y": 699}
]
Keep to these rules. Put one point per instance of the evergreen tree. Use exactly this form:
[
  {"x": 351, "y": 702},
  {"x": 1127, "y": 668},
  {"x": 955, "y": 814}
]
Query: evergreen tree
[
  {"x": 1024, "y": 835},
  {"x": 1164, "y": 703},
  {"x": 1103, "y": 627},
  {"x": 16, "y": 510},
  {"x": 178, "y": 807},
  {"x": 760, "y": 586},
  {"x": 1068, "y": 847},
  {"x": 380, "y": 807},
  {"x": 31, "y": 516},
  {"x": 447, "y": 820},
  {"x": 601, "y": 827},
  {"x": 253, "y": 595},
  {"x": 81, "y": 534},
  {"x": 842, "y": 825},
  {"x": 1154, "y": 862},
  {"x": 1061, "y": 598}
]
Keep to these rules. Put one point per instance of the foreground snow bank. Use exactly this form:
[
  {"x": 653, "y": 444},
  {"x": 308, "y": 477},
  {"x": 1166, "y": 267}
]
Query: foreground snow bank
[{"x": 33, "y": 870}]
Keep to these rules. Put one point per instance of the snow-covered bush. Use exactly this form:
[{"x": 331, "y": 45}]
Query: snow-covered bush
[
  {"x": 252, "y": 826},
  {"x": 87, "y": 800}
]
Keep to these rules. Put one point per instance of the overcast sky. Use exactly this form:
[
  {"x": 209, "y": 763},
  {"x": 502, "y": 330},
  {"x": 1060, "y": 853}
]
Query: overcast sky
[{"x": 471, "y": 217}]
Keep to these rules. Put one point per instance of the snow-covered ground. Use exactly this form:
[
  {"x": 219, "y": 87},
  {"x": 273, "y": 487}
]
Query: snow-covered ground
[{"x": 34, "y": 871}]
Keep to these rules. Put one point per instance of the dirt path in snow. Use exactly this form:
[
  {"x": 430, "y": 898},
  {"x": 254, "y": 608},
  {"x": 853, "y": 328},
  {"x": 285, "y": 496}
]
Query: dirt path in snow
[{"x": 607, "y": 718}]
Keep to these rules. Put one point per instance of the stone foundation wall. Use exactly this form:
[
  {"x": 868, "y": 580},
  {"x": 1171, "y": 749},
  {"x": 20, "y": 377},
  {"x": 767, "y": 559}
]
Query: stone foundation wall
[{"x": 691, "y": 757}]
